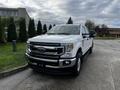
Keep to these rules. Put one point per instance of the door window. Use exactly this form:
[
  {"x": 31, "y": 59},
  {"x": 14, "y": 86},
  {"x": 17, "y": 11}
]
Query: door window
[
  {"x": 86, "y": 30},
  {"x": 83, "y": 30}
]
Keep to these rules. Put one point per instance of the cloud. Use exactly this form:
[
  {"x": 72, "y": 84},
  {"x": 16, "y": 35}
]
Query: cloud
[{"x": 58, "y": 11}]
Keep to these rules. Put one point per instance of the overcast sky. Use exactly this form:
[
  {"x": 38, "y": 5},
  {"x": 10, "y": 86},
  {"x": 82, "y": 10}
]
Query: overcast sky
[{"x": 58, "y": 11}]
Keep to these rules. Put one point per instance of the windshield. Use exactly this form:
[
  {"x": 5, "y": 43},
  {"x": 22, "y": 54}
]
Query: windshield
[{"x": 64, "y": 30}]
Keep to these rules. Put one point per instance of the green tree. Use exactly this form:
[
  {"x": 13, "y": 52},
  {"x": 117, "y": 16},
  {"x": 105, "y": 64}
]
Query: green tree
[
  {"x": 44, "y": 28},
  {"x": 22, "y": 30},
  {"x": 97, "y": 30},
  {"x": 31, "y": 28},
  {"x": 1, "y": 31},
  {"x": 50, "y": 26},
  {"x": 70, "y": 21},
  {"x": 39, "y": 28},
  {"x": 104, "y": 26},
  {"x": 104, "y": 29},
  {"x": 3, "y": 25},
  {"x": 11, "y": 31},
  {"x": 90, "y": 25}
]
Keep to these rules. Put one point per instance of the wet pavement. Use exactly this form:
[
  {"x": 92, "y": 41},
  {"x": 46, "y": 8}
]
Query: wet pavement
[{"x": 100, "y": 71}]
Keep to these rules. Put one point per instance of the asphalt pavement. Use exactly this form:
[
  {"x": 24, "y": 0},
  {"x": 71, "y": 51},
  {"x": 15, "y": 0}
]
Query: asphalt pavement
[{"x": 100, "y": 71}]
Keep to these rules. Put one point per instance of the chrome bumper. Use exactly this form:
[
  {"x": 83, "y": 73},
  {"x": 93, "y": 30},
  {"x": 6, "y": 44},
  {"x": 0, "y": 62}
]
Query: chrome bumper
[{"x": 60, "y": 65}]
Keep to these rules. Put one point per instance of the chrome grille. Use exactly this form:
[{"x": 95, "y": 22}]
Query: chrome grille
[
  {"x": 46, "y": 50},
  {"x": 45, "y": 44}
]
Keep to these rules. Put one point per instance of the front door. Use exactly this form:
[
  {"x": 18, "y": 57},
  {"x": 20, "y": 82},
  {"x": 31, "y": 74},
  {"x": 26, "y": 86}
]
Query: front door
[{"x": 84, "y": 40}]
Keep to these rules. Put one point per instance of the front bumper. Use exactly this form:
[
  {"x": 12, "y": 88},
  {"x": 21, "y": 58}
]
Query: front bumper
[{"x": 48, "y": 63}]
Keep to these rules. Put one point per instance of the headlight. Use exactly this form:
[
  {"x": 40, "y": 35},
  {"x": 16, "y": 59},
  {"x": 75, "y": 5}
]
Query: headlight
[
  {"x": 28, "y": 42},
  {"x": 68, "y": 47}
]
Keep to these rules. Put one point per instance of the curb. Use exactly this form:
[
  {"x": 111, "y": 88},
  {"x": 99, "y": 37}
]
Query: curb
[{"x": 13, "y": 71}]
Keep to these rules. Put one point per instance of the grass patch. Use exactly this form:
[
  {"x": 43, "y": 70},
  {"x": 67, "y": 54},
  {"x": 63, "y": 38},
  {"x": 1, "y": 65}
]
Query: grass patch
[{"x": 10, "y": 59}]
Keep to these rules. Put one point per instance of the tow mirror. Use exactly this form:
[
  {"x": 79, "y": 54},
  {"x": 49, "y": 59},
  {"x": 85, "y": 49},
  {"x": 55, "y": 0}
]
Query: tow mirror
[
  {"x": 84, "y": 36},
  {"x": 92, "y": 34}
]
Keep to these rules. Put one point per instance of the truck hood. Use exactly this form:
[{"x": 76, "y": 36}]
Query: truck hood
[{"x": 55, "y": 38}]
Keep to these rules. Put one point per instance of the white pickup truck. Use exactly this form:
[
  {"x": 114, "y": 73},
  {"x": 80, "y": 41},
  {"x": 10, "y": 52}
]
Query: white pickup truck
[{"x": 60, "y": 49}]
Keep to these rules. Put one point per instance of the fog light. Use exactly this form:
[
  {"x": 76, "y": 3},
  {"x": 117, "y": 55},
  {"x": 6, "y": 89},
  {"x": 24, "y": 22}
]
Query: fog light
[{"x": 67, "y": 62}]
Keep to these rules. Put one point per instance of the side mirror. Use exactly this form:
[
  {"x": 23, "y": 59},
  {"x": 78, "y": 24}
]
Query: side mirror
[
  {"x": 92, "y": 34},
  {"x": 84, "y": 36}
]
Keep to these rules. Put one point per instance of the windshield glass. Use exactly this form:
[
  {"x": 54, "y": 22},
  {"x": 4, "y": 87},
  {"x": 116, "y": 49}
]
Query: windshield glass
[{"x": 64, "y": 30}]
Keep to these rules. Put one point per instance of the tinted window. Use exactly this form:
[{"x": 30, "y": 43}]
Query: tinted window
[
  {"x": 83, "y": 30},
  {"x": 86, "y": 30}
]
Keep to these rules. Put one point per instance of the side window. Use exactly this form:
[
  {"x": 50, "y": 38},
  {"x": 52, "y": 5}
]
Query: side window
[
  {"x": 83, "y": 30},
  {"x": 86, "y": 30}
]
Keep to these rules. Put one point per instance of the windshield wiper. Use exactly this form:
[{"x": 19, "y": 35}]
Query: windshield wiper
[{"x": 58, "y": 33}]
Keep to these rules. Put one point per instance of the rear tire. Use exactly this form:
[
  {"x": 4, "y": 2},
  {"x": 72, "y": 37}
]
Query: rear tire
[{"x": 77, "y": 67}]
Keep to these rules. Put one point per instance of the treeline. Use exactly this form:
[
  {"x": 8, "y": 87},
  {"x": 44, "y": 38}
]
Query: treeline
[
  {"x": 101, "y": 29},
  {"x": 8, "y": 30}
]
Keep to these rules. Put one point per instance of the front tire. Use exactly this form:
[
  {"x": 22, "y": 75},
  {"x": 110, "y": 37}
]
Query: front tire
[{"x": 77, "y": 67}]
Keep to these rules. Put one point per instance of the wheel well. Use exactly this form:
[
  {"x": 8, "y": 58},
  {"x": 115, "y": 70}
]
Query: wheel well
[{"x": 79, "y": 50}]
